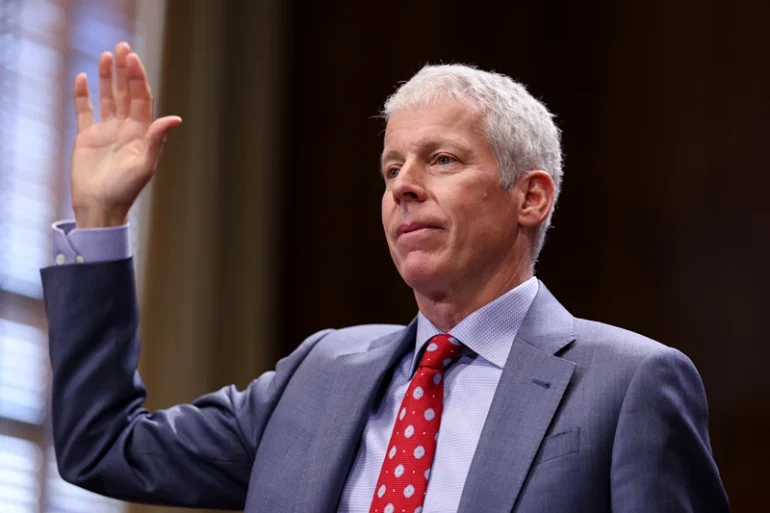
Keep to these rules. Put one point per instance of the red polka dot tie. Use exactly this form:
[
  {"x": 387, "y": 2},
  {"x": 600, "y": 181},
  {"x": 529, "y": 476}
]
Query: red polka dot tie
[{"x": 406, "y": 469}]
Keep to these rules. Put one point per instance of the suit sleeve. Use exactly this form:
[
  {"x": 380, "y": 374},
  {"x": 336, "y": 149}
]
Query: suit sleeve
[
  {"x": 662, "y": 457},
  {"x": 193, "y": 455}
]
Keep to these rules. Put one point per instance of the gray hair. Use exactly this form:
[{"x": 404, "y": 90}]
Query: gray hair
[{"x": 519, "y": 128}]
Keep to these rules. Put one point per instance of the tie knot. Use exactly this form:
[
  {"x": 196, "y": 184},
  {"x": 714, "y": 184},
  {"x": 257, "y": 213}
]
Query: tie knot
[{"x": 441, "y": 351}]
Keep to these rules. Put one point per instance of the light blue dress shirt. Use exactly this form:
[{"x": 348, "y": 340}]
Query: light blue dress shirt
[{"x": 470, "y": 382}]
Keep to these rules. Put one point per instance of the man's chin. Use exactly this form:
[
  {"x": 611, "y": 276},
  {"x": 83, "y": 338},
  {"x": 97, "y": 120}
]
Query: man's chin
[{"x": 423, "y": 278}]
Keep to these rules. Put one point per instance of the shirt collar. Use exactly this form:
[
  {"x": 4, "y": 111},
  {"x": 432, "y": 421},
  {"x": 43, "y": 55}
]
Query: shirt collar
[{"x": 490, "y": 330}]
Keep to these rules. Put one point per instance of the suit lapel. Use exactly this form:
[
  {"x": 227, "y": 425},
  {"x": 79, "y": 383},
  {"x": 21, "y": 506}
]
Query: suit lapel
[
  {"x": 530, "y": 390},
  {"x": 356, "y": 380}
]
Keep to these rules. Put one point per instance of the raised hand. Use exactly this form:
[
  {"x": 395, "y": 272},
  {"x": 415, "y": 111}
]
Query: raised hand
[{"x": 115, "y": 158}]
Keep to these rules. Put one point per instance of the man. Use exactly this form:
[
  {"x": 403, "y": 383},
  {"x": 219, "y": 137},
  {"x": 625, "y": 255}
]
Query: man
[{"x": 494, "y": 399}]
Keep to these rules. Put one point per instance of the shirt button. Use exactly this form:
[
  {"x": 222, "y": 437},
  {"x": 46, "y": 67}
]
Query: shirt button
[
  {"x": 79, "y": 259},
  {"x": 60, "y": 259}
]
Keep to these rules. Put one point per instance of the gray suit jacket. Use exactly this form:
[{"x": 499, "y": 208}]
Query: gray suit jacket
[{"x": 586, "y": 417}]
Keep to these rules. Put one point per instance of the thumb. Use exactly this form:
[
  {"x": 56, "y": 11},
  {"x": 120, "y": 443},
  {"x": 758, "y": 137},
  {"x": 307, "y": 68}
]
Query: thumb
[{"x": 155, "y": 137}]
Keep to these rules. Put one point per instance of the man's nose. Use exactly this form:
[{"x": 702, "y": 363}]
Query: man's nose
[{"x": 409, "y": 184}]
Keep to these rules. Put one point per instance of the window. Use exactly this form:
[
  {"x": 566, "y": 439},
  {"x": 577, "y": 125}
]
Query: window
[{"x": 43, "y": 45}]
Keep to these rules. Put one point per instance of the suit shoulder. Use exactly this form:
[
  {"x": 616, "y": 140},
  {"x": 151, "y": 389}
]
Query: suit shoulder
[
  {"x": 611, "y": 358},
  {"x": 354, "y": 339},
  {"x": 607, "y": 341}
]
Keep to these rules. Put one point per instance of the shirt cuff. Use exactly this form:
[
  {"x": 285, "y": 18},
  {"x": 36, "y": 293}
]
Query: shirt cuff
[{"x": 76, "y": 246}]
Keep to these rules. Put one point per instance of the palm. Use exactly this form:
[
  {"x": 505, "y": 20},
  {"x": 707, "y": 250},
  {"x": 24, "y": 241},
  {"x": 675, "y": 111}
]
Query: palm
[
  {"x": 114, "y": 159},
  {"x": 106, "y": 161}
]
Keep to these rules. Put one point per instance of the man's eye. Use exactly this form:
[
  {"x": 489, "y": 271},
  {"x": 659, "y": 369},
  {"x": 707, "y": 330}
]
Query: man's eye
[
  {"x": 444, "y": 160},
  {"x": 391, "y": 172}
]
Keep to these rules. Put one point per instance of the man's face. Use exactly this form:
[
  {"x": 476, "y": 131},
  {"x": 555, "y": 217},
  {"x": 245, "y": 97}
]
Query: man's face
[{"x": 449, "y": 225}]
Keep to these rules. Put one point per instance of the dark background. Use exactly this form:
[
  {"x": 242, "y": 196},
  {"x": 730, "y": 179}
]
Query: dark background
[{"x": 662, "y": 227}]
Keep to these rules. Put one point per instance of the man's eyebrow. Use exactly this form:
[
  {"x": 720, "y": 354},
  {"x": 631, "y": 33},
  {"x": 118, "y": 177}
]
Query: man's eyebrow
[
  {"x": 427, "y": 145},
  {"x": 434, "y": 143},
  {"x": 388, "y": 155}
]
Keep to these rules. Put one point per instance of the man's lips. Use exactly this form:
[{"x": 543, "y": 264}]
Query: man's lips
[{"x": 416, "y": 226}]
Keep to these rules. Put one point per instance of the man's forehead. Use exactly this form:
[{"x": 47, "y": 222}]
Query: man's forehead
[
  {"x": 444, "y": 112},
  {"x": 411, "y": 129}
]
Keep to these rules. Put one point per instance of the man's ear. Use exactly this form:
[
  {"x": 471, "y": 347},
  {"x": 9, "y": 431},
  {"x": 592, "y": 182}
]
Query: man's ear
[{"x": 537, "y": 189}]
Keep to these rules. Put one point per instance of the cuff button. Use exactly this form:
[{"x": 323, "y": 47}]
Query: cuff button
[
  {"x": 79, "y": 259},
  {"x": 60, "y": 259}
]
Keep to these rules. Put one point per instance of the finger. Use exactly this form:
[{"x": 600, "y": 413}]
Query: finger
[
  {"x": 139, "y": 90},
  {"x": 155, "y": 137},
  {"x": 122, "y": 97},
  {"x": 84, "y": 111},
  {"x": 106, "y": 87}
]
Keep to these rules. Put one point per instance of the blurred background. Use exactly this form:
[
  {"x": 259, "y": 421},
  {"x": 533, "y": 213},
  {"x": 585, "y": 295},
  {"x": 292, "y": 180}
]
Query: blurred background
[{"x": 262, "y": 224}]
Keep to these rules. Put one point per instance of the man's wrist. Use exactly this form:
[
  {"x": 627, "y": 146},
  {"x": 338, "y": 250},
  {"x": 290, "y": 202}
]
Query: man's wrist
[{"x": 86, "y": 217}]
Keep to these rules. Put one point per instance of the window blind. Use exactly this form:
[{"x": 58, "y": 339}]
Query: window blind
[
  {"x": 23, "y": 372},
  {"x": 43, "y": 45},
  {"x": 20, "y": 462},
  {"x": 31, "y": 93}
]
